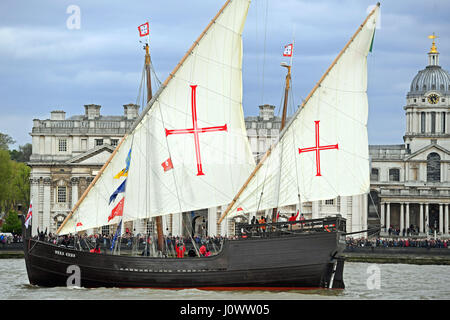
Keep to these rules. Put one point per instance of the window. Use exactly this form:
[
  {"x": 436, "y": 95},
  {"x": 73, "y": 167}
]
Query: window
[
  {"x": 114, "y": 142},
  {"x": 61, "y": 194},
  {"x": 415, "y": 100},
  {"x": 433, "y": 167},
  {"x": 374, "y": 174},
  {"x": 329, "y": 202},
  {"x": 422, "y": 122},
  {"x": 394, "y": 174},
  {"x": 98, "y": 142},
  {"x": 105, "y": 230},
  {"x": 83, "y": 144},
  {"x": 62, "y": 145},
  {"x": 443, "y": 122}
]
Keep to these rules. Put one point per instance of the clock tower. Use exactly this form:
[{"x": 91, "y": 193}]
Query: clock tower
[{"x": 428, "y": 108}]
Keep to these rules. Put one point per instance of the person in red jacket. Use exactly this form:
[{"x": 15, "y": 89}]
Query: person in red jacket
[
  {"x": 95, "y": 250},
  {"x": 202, "y": 250},
  {"x": 293, "y": 218},
  {"x": 180, "y": 251}
]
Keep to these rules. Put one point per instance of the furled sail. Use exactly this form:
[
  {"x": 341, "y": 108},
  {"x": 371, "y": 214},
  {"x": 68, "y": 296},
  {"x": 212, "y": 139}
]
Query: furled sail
[
  {"x": 323, "y": 152},
  {"x": 189, "y": 149}
]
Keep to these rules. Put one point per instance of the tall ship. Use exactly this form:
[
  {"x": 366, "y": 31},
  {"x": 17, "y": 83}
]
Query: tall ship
[{"x": 189, "y": 150}]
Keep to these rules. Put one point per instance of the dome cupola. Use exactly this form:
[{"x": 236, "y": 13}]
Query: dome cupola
[{"x": 433, "y": 77}]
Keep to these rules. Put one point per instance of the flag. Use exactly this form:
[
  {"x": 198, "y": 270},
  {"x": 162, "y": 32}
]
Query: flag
[
  {"x": 29, "y": 215},
  {"x": 79, "y": 224},
  {"x": 120, "y": 189},
  {"x": 127, "y": 161},
  {"x": 167, "y": 165},
  {"x": 371, "y": 43},
  {"x": 288, "y": 50},
  {"x": 122, "y": 173},
  {"x": 119, "y": 226},
  {"x": 144, "y": 30},
  {"x": 278, "y": 215},
  {"x": 117, "y": 211},
  {"x": 240, "y": 209}
]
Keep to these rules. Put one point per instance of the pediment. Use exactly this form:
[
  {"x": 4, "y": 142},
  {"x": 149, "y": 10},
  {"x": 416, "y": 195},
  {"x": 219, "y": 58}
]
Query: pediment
[
  {"x": 423, "y": 153},
  {"x": 96, "y": 156}
]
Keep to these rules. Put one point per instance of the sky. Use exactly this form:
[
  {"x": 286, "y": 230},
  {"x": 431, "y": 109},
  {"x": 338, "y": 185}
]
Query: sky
[{"x": 62, "y": 55}]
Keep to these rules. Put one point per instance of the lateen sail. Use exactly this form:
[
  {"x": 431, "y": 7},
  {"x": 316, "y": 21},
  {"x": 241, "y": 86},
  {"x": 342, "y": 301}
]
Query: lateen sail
[
  {"x": 323, "y": 152},
  {"x": 190, "y": 148}
]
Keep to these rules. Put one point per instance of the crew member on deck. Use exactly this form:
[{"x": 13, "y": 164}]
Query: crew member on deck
[{"x": 180, "y": 251}]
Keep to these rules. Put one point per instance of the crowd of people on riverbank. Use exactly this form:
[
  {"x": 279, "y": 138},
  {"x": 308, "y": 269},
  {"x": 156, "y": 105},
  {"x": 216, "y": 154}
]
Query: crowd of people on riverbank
[{"x": 397, "y": 243}]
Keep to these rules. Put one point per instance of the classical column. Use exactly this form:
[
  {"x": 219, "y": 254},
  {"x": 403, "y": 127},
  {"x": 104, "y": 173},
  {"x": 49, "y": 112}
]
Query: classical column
[
  {"x": 74, "y": 182},
  {"x": 212, "y": 221},
  {"x": 446, "y": 219},
  {"x": 441, "y": 219},
  {"x": 402, "y": 219},
  {"x": 315, "y": 210},
  {"x": 177, "y": 224},
  {"x": 388, "y": 215},
  {"x": 407, "y": 216},
  {"x": 34, "y": 197},
  {"x": 382, "y": 217},
  {"x": 427, "y": 218},
  {"x": 46, "y": 206},
  {"x": 421, "y": 228}
]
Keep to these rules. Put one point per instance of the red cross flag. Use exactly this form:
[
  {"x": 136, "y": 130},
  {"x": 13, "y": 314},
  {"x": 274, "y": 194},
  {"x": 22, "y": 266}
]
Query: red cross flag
[
  {"x": 288, "y": 50},
  {"x": 167, "y": 165},
  {"x": 29, "y": 215},
  {"x": 144, "y": 30}
]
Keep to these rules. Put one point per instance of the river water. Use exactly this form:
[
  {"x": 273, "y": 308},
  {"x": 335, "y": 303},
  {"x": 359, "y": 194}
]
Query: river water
[{"x": 364, "y": 281}]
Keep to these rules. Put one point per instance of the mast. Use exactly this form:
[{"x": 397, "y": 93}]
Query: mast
[
  {"x": 158, "y": 219},
  {"x": 285, "y": 129},
  {"x": 283, "y": 117}
]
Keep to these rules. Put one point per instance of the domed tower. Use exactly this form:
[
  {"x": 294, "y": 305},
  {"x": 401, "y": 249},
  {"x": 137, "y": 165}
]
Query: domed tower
[{"x": 427, "y": 109}]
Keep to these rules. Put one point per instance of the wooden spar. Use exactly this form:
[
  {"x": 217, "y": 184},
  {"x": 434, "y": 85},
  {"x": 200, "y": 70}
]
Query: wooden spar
[
  {"x": 147, "y": 69},
  {"x": 268, "y": 152},
  {"x": 75, "y": 207},
  {"x": 286, "y": 92},
  {"x": 171, "y": 75}
]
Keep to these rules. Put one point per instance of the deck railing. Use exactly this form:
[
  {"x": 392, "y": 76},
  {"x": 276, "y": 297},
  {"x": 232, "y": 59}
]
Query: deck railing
[{"x": 289, "y": 228}]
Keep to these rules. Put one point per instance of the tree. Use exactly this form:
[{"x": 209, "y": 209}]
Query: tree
[
  {"x": 5, "y": 141},
  {"x": 5, "y": 177},
  {"x": 19, "y": 185},
  {"x": 23, "y": 154},
  {"x": 12, "y": 223},
  {"x": 14, "y": 183}
]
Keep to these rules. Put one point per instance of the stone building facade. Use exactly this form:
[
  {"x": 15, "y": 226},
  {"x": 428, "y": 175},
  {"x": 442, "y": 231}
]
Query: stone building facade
[
  {"x": 66, "y": 156},
  {"x": 411, "y": 181}
]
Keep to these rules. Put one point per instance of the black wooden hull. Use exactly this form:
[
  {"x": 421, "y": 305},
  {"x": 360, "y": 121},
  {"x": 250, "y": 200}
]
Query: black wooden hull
[{"x": 302, "y": 260}]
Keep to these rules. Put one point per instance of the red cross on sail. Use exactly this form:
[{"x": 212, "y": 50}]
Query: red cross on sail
[
  {"x": 317, "y": 148},
  {"x": 195, "y": 130}
]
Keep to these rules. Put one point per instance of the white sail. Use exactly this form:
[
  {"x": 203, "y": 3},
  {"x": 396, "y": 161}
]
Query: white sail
[
  {"x": 189, "y": 150},
  {"x": 323, "y": 152}
]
